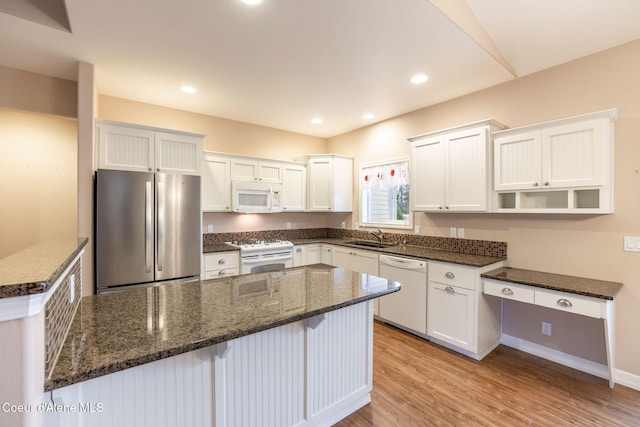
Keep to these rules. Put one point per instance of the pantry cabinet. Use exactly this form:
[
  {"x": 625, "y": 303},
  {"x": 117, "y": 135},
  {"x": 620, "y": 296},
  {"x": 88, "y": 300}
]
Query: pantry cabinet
[
  {"x": 124, "y": 146},
  {"x": 563, "y": 166},
  {"x": 450, "y": 169},
  {"x": 459, "y": 316},
  {"x": 216, "y": 183}
]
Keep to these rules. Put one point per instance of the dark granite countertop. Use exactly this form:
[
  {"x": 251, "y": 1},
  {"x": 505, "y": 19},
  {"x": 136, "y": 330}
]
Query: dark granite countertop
[
  {"x": 117, "y": 331},
  {"x": 218, "y": 247},
  {"x": 557, "y": 282},
  {"x": 413, "y": 251},
  {"x": 35, "y": 269},
  {"x": 406, "y": 250}
]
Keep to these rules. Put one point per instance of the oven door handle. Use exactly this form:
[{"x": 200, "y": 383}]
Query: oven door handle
[{"x": 266, "y": 259}]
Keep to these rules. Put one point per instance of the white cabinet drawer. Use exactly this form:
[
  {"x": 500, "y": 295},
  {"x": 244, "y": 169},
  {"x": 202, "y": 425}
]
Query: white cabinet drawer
[
  {"x": 452, "y": 274},
  {"x": 509, "y": 290},
  {"x": 221, "y": 260},
  {"x": 572, "y": 303},
  {"x": 214, "y": 274}
]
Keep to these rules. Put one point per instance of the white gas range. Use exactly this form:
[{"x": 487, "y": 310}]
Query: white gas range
[{"x": 258, "y": 255}]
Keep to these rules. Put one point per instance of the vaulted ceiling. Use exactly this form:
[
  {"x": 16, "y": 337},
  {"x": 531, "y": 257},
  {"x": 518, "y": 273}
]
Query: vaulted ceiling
[{"x": 282, "y": 63}]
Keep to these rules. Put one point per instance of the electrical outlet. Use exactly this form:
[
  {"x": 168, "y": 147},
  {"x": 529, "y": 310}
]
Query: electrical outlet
[
  {"x": 461, "y": 232},
  {"x": 210, "y": 228},
  {"x": 546, "y": 328},
  {"x": 289, "y": 225},
  {"x": 453, "y": 232},
  {"x": 416, "y": 229}
]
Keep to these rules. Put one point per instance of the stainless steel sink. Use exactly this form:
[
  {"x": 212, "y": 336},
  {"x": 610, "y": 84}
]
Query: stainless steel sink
[{"x": 370, "y": 243}]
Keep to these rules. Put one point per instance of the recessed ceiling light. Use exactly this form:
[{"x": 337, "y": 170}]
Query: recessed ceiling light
[
  {"x": 317, "y": 121},
  {"x": 188, "y": 89},
  {"x": 251, "y": 2},
  {"x": 368, "y": 116},
  {"x": 419, "y": 78}
]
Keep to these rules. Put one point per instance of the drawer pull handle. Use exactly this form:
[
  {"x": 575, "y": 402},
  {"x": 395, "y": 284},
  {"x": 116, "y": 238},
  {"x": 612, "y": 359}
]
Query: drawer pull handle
[
  {"x": 450, "y": 275},
  {"x": 564, "y": 302},
  {"x": 221, "y": 261},
  {"x": 222, "y": 273},
  {"x": 507, "y": 291},
  {"x": 450, "y": 290}
]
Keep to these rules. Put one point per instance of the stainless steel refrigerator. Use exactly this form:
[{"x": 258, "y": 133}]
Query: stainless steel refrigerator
[{"x": 147, "y": 228}]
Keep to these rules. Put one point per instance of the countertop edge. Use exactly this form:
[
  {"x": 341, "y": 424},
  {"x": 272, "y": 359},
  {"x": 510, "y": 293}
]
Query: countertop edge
[
  {"x": 52, "y": 384},
  {"x": 42, "y": 286},
  {"x": 545, "y": 285}
]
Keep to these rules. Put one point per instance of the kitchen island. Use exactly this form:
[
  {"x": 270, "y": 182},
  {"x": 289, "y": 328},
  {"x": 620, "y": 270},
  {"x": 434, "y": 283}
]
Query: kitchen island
[{"x": 291, "y": 347}]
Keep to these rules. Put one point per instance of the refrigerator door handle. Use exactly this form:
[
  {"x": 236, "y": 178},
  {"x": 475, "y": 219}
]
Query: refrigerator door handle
[
  {"x": 160, "y": 231},
  {"x": 148, "y": 228}
]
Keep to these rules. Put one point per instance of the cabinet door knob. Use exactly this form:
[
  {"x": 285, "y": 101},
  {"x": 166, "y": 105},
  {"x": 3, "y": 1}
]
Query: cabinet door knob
[
  {"x": 563, "y": 302},
  {"x": 507, "y": 291},
  {"x": 440, "y": 207},
  {"x": 546, "y": 183},
  {"x": 446, "y": 207},
  {"x": 221, "y": 261},
  {"x": 450, "y": 290},
  {"x": 450, "y": 275},
  {"x": 535, "y": 184}
]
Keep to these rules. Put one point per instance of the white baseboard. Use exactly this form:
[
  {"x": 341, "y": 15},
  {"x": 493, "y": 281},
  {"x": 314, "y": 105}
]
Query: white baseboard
[
  {"x": 584, "y": 365},
  {"x": 621, "y": 377},
  {"x": 629, "y": 380}
]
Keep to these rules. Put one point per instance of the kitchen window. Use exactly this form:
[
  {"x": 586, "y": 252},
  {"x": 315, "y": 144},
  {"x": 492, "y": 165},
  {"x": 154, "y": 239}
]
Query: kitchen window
[{"x": 384, "y": 194}]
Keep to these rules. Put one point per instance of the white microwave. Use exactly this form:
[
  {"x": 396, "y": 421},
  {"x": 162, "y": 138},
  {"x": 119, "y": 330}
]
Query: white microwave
[{"x": 256, "y": 197}]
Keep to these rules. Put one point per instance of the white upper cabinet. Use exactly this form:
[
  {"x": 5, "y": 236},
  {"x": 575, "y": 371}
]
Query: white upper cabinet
[
  {"x": 569, "y": 155},
  {"x": 330, "y": 183},
  {"x": 253, "y": 170},
  {"x": 220, "y": 169},
  {"x": 216, "y": 183},
  {"x": 294, "y": 188},
  {"x": 125, "y": 146},
  {"x": 450, "y": 169},
  {"x": 563, "y": 166}
]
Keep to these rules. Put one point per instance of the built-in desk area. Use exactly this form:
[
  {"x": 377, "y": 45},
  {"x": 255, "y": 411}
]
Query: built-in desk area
[{"x": 577, "y": 295}]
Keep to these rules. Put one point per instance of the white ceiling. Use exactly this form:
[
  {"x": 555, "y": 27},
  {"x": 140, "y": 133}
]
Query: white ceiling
[{"x": 283, "y": 62}]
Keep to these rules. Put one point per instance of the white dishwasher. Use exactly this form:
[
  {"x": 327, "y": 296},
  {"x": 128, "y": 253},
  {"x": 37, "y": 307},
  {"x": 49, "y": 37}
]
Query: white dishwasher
[{"x": 407, "y": 308}]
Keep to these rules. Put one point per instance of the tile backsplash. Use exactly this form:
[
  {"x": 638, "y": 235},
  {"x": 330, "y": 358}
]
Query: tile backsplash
[
  {"x": 59, "y": 312},
  {"x": 466, "y": 246}
]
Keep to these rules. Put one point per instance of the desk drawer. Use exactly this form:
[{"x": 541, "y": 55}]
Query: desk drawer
[
  {"x": 571, "y": 303},
  {"x": 509, "y": 290},
  {"x": 452, "y": 274}
]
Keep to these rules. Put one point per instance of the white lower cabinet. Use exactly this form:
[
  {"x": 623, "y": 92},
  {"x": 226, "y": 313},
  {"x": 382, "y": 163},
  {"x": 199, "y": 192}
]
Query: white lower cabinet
[
  {"x": 220, "y": 264},
  {"x": 355, "y": 259},
  {"x": 307, "y": 373},
  {"x": 315, "y": 253},
  {"x": 459, "y": 316}
]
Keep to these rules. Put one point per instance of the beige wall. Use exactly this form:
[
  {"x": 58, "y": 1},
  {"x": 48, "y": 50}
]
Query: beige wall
[
  {"x": 38, "y": 174},
  {"x": 22, "y": 90},
  {"x": 581, "y": 245},
  {"x": 228, "y": 136}
]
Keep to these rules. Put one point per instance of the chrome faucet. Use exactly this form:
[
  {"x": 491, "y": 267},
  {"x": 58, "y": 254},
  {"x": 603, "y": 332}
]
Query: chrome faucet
[{"x": 379, "y": 235}]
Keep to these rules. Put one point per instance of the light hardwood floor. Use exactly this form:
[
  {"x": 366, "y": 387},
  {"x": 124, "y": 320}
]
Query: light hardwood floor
[{"x": 417, "y": 383}]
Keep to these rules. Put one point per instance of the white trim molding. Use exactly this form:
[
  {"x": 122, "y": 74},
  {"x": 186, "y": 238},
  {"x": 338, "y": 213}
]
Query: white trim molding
[{"x": 19, "y": 307}]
